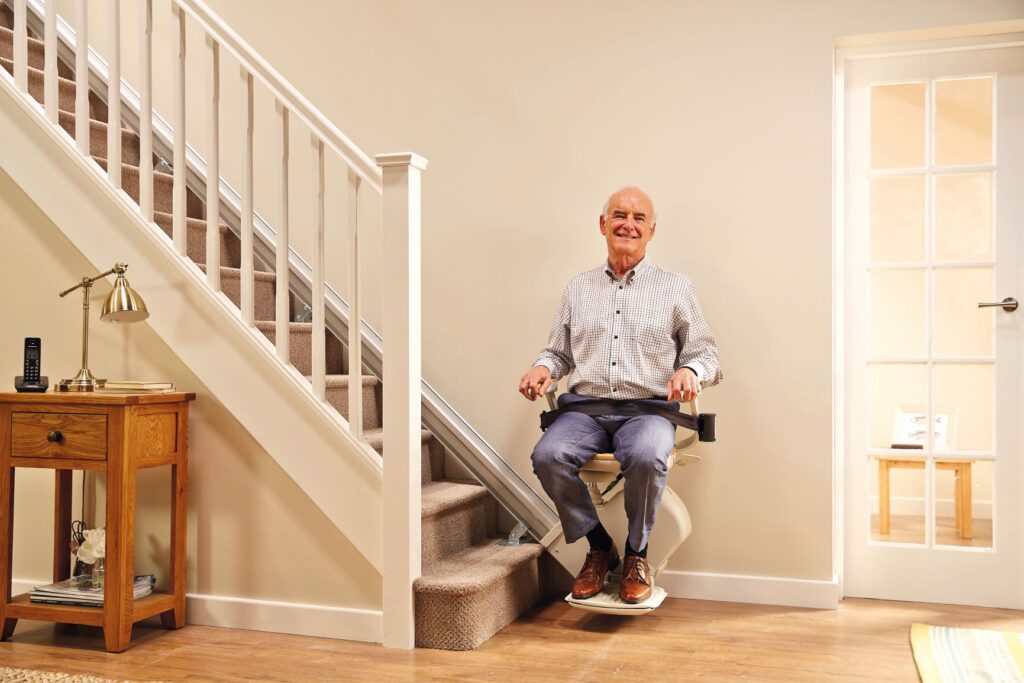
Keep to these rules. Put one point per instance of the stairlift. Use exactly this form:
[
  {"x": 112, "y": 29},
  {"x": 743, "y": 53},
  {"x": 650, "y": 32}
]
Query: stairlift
[{"x": 604, "y": 482}]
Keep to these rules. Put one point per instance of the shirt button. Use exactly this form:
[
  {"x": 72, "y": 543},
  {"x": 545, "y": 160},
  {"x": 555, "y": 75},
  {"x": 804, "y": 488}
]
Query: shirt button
[
  {"x": 620, "y": 286},
  {"x": 614, "y": 389},
  {"x": 613, "y": 362},
  {"x": 616, "y": 312},
  {"x": 616, "y": 336}
]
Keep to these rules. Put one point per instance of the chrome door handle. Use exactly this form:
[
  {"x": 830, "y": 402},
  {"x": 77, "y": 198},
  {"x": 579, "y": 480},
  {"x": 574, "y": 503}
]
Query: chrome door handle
[{"x": 1009, "y": 304}]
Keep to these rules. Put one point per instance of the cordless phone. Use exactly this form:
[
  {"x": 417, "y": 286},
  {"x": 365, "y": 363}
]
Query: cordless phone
[{"x": 31, "y": 380}]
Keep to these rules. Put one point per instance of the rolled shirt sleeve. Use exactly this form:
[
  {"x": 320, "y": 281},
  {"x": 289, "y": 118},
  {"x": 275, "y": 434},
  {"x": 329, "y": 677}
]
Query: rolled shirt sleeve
[{"x": 697, "y": 347}]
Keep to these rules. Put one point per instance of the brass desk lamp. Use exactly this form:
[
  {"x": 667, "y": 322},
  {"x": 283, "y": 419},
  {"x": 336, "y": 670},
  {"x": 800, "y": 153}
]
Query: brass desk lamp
[{"x": 123, "y": 305}]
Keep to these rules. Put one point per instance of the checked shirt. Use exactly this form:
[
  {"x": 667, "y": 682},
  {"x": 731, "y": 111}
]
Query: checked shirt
[{"x": 624, "y": 338}]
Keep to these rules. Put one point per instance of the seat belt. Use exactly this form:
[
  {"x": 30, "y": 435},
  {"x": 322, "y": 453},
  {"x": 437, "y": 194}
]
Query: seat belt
[{"x": 703, "y": 424}]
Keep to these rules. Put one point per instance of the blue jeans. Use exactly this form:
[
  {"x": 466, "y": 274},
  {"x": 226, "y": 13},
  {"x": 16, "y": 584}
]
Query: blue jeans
[{"x": 641, "y": 445}]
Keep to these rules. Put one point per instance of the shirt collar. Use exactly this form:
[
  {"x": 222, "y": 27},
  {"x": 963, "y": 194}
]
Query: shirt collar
[{"x": 631, "y": 273}]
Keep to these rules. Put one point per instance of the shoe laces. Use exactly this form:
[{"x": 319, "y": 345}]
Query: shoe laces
[{"x": 638, "y": 570}]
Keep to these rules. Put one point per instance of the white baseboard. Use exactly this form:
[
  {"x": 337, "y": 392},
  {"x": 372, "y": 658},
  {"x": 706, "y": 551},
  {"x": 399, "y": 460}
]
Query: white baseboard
[
  {"x": 342, "y": 623},
  {"x": 762, "y": 590}
]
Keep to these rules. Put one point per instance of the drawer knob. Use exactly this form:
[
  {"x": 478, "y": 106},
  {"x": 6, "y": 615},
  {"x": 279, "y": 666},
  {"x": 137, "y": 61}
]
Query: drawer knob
[{"x": 55, "y": 436}]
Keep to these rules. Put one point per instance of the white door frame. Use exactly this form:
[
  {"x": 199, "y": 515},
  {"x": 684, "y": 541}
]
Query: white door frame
[{"x": 878, "y": 46}]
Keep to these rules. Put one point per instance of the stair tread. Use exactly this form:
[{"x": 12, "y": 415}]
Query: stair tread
[
  {"x": 334, "y": 381},
  {"x": 439, "y": 496},
  {"x": 198, "y": 222},
  {"x": 258, "y": 275},
  {"x": 9, "y": 66},
  {"x": 375, "y": 437},
  {"x": 475, "y": 568}
]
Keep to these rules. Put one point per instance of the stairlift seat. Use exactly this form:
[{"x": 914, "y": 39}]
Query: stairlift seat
[{"x": 601, "y": 474}]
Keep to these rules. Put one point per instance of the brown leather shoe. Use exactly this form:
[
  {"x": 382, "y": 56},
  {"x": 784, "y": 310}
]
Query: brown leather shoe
[
  {"x": 590, "y": 581},
  {"x": 636, "y": 580}
]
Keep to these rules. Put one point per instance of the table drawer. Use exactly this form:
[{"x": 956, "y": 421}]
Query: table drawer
[{"x": 58, "y": 435}]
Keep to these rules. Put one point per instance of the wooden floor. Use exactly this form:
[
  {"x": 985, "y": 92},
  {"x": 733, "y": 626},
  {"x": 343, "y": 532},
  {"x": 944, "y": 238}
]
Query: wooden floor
[{"x": 864, "y": 640}]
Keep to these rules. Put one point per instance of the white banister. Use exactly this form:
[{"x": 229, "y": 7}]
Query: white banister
[
  {"x": 246, "y": 297},
  {"x": 355, "y": 345},
  {"x": 213, "y": 165},
  {"x": 283, "y": 91},
  {"x": 282, "y": 314},
  {"x": 82, "y": 80},
  {"x": 178, "y": 193},
  {"x": 146, "y": 110},
  {"x": 319, "y": 322},
  {"x": 402, "y": 373},
  {"x": 20, "y": 46},
  {"x": 114, "y": 96},
  {"x": 52, "y": 91}
]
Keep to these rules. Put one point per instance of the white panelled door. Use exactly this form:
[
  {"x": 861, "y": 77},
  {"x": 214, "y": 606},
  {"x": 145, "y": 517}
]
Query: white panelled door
[{"x": 934, "y": 235}]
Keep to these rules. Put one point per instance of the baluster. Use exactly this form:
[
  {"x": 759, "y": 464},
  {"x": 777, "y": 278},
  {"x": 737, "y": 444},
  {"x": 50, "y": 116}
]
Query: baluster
[
  {"x": 146, "y": 110},
  {"x": 355, "y": 346},
  {"x": 114, "y": 97},
  {"x": 82, "y": 80},
  {"x": 51, "y": 92},
  {"x": 282, "y": 336},
  {"x": 247, "y": 161},
  {"x": 20, "y": 46},
  {"x": 178, "y": 206},
  {"x": 319, "y": 329},
  {"x": 213, "y": 166},
  {"x": 402, "y": 377}
]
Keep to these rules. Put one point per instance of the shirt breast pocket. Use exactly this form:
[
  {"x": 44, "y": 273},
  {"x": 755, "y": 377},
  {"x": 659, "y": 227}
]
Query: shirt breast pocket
[{"x": 652, "y": 330}]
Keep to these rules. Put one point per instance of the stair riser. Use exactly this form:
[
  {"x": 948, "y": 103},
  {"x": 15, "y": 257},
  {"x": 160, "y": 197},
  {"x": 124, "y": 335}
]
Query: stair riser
[
  {"x": 163, "y": 190},
  {"x": 263, "y": 293},
  {"x": 338, "y": 397},
  {"x": 470, "y": 620},
  {"x": 65, "y": 93},
  {"x": 195, "y": 241},
  {"x": 98, "y": 139},
  {"x": 452, "y": 530},
  {"x": 300, "y": 346}
]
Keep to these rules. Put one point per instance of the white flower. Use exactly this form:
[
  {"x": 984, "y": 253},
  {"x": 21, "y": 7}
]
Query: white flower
[{"x": 94, "y": 547}]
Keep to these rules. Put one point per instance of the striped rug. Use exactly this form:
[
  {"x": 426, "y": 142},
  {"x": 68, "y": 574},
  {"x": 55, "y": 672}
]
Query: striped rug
[{"x": 955, "y": 655}]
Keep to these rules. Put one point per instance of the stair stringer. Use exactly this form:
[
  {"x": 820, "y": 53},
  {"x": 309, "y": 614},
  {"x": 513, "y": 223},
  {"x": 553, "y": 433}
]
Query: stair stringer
[{"x": 306, "y": 437}]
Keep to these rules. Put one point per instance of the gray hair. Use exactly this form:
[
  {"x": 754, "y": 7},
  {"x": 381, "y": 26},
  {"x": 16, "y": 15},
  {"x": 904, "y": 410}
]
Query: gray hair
[{"x": 604, "y": 209}]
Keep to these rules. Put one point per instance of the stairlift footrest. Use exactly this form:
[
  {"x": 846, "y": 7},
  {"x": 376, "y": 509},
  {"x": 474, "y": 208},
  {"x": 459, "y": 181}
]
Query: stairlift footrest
[{"x": 608, "y": 602}]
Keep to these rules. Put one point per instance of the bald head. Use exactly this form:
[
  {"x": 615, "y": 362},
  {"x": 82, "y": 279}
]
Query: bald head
[{"x": 631, "y": 193}]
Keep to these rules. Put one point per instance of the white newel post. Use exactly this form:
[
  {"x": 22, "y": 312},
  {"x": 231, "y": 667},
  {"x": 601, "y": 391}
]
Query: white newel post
[{"x": 402, "y": 354}]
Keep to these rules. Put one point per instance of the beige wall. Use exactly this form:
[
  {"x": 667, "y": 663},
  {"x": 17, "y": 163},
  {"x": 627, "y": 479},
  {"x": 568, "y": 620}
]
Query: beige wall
[
  {"x": 248, "y": 522},
  {"x": 531, "y": 113}
]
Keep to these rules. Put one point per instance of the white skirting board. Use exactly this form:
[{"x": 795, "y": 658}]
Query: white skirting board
[
  {"x": 342, "y": 623},
  {"x": 761, "y": 590}
]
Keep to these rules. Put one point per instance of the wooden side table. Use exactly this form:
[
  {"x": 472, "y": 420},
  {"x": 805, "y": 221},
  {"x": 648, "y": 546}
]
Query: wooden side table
[
  {"x": 963, "y": 496},
  {"x": 114, "y": 433}
]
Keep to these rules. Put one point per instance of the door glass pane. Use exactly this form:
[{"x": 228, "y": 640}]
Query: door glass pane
[
  {"x": 963, "y": 503},
  {"x": 897, "y": 219},
  {"x": 897, "y": 312},
  {"x": 897, "y": 499},
  {"x": 963, "y": 216},
  {"x": 963, "y": 121},
  {"x": 963, "y": 398},
  {"x": 898, "y": 394},
  {"x": 897, "y": 125},
  {"x": 961, "y": 328}
]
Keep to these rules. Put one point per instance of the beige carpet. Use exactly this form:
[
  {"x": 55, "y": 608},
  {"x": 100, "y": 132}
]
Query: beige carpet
[
  {"x": 8, "y": 675},
  {"x": 471, "y": 587}
]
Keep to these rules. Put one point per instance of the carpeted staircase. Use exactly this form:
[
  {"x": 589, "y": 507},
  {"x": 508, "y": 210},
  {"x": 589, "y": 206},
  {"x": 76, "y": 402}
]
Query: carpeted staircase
[{"x": 471, "y": 587}]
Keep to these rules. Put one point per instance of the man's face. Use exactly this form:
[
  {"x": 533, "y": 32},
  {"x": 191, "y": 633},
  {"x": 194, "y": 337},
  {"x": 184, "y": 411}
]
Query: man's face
[{"x": 628, "y": 225}]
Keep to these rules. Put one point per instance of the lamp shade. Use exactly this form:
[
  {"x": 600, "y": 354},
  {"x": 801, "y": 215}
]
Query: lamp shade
[{"x": 123, "y": 305}]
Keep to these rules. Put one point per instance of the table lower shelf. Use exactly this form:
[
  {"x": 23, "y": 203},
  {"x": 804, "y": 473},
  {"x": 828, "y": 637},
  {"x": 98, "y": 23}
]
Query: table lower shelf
[{"x": 21, "y": 608}]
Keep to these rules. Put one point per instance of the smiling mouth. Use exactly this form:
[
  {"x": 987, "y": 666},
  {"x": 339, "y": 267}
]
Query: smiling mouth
[{"x": 627, "y": 237}]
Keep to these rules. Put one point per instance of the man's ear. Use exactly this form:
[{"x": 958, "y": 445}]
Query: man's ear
[
  {"x": 600, "y": 222},
  {"x": 654, "y": 226}
]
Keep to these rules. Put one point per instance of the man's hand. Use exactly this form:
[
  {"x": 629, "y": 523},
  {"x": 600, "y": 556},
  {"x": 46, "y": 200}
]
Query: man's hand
[
  {"x": 535, "y": 383},
  {"x": 683, "y": 384}
]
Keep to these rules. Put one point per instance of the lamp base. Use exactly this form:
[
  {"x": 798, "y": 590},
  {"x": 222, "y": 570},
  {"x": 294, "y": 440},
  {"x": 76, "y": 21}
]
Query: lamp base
[{"x": 83, "y": 381}]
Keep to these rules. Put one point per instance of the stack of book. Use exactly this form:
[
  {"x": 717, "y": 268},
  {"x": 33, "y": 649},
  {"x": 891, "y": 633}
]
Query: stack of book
[
  {"x": 133, "y": 387},
  {"x": 84, "y": 591}
]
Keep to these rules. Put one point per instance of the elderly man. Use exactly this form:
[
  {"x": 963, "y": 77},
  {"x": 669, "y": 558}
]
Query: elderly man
[{"x": 626, "y": 330}]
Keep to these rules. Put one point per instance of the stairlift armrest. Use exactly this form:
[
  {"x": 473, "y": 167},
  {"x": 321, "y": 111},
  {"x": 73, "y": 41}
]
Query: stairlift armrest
[
  {"x": 688, "y": 440},
  {"x": 550, "y": 395}
]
